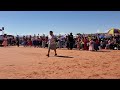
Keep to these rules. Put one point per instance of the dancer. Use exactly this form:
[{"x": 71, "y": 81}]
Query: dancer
[{"x": 52, "y": 43}]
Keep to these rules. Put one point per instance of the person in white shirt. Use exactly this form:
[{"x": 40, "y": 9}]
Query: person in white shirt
[{"x": 51, "y": 43}]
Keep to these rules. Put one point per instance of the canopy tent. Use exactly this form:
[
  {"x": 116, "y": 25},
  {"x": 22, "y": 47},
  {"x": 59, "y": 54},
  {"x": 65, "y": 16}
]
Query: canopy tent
[
  {"x": 114, "y": 31},
  {"x": 101, "y": 36},
  {"x": 108, "y": 36}
]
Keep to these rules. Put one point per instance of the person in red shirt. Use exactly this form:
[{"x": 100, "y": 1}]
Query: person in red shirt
[
  {"x": 85, "y": 43},
  {"x": 30, "y": 42}
]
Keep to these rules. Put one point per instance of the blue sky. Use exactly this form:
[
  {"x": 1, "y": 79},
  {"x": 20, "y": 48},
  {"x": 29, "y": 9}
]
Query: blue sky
[{"x": 34, "y": 22}]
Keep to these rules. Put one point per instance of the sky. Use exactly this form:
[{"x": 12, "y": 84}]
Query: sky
[{"x": 60, "y": 22}]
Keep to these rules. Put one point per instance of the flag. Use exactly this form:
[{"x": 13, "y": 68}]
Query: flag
[{"x": 2, "y": 28}]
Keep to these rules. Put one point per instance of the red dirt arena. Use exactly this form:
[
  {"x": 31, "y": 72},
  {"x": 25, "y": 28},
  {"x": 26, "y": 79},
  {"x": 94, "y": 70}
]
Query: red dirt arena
[{"x": 32, "y": 63}]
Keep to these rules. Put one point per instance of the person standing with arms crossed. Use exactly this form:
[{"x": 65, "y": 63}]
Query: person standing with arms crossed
[{"x": 51, "y": 43}]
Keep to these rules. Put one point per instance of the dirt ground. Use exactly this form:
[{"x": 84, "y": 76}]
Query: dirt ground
[{"x": 32, "y": 63}]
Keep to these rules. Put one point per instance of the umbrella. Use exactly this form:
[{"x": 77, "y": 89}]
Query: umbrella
[{"x": 113, "y": 31}]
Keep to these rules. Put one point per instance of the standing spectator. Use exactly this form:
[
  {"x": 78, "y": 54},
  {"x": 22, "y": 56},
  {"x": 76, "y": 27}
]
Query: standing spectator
[
  {"x": 95, "y": 45},
  {"x": 82, "y": 43},
  {"x": 91, "y": 45},
  {"x": 10, "y": 41},
  {"x": 67, "y": 42},
  {"x": 70, "y": 41},
  {"x": 78, "y": 43},
  {"x": 37, "y": 41},
  {"x": 46, "y": 41},
  {"x": 60, "y": 42},
  {"x": 5, "y": 40},
  {"x": 30, "y": 42},
  {"x": 1, "y": 39},
  {"x": 24, "y": 41},
  {"x": 85, "y": 43},
  {"x": 34, "y": 42},
  {"x": 17, "y": 40},
  {"x": 13, "y": 41},
  {"x": 43, "y": 42},
  {"x": 108, "y": 44}
]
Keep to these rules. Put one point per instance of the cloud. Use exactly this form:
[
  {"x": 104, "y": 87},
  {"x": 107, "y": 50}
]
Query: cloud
[{"x": 98, "y": 31}]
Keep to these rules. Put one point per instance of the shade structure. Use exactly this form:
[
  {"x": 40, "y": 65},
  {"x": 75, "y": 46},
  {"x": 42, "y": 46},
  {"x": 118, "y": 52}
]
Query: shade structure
[
  {"x": 114, "y": 31},
  {"x": 101, "y": 36}
]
